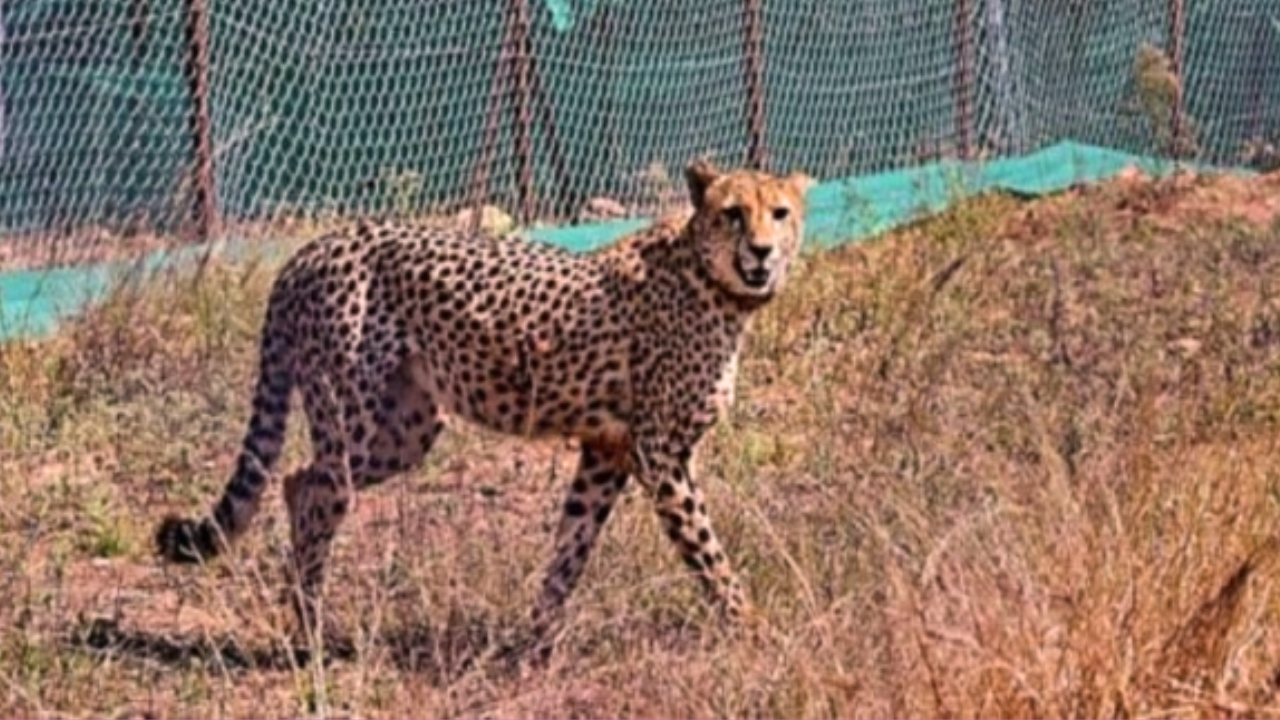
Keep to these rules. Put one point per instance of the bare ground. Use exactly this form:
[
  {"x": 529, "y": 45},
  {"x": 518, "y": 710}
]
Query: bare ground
[{"x": 1019, "y": 460}]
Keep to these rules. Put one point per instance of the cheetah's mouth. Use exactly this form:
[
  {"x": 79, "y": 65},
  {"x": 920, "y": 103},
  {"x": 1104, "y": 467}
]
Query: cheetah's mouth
[{"x": 756, "y": 278}]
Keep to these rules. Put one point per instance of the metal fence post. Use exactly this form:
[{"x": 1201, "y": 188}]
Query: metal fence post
[
  {"x": 1263, "y": 46},
  {"x": 524, "y": 108},
  {"x": 493, "y": 111},
  {"x": 1177, "y": 28},
  {"x": 962, "y": 86},
  {"x": 548, "y": 117},
  {"x": 753, "y": 66},
  {"x": 206, "y": 202}
]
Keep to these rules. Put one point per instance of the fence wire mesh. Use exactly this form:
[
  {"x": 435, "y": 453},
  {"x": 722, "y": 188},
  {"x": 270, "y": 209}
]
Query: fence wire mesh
[{"x": 161, "y": 114}]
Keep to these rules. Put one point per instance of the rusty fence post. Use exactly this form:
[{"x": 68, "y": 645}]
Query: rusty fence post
[
  {"x": 516, "y": 63},
  {"x": 1177, "y": 29},
  {"x": 962, "y": 87},
  {"x": 1263, "y": 46},
  {"x": 206, "y": 201},
  {"x": 523, "y": 57},
  {"x": 493, "y": 111},
  {"x": 609, "y": 110},
  {"x": 552, "y": 137},
  {"x": 753, "y": 67}
]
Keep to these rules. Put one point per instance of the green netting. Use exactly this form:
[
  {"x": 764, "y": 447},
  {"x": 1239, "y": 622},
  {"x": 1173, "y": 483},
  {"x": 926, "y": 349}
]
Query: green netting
[
  {"x": 391, "y": 106},
  {"x": 95, "y": 113},
  {"x": 840, "y": 210},
  {"x": 383, "y": 105},
  {"x": 850, "y": 209}
]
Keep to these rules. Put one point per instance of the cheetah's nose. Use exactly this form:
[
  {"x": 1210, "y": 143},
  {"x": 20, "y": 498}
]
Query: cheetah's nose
[{"x": 760, "y": 252}]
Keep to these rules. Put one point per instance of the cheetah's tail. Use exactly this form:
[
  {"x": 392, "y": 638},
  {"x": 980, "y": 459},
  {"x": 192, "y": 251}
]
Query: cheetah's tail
[{"x": 188, "y": 540}]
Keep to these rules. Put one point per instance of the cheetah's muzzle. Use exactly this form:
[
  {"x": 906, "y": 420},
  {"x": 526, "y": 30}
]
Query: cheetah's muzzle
[{"x": 756, "y": 278}]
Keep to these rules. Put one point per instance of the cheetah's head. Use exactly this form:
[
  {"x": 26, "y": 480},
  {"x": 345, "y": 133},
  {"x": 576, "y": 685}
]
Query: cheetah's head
[{"x": 748, "y": 226}]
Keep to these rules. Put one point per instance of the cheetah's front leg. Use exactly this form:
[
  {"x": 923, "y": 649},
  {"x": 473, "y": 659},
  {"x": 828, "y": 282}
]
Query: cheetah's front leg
[
  {"x": 595, "y": 489},
  {"x": 683, "y": 512}
]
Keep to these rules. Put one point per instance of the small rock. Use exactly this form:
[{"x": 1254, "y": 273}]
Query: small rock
[
  {"x": 492, "y": 219},
  {"x": 602, "y": 208}
]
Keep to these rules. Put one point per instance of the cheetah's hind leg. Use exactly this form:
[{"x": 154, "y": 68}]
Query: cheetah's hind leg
[
  {"x": 356, "y": 444},
  {"x": 408, "y": 423}
]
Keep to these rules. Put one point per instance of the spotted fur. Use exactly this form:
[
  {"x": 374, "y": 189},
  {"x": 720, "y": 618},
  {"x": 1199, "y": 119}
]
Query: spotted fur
[{"x": 631, "y": 349}]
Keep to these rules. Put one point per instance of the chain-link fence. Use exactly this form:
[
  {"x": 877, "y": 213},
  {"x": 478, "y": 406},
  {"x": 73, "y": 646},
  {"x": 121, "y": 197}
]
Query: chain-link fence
[{"x": 181, "y": 116}]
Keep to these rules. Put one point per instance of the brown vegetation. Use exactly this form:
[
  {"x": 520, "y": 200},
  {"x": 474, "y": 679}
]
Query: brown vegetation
[{"x": 1021, "y": 460}]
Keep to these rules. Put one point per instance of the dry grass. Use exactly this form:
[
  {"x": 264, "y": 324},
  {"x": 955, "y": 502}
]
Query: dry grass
[{"x": 1015, "y": 461}]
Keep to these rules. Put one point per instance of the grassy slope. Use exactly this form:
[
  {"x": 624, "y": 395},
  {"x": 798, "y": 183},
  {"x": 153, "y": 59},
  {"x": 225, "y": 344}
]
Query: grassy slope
[{"x": 1010, "y": 462}]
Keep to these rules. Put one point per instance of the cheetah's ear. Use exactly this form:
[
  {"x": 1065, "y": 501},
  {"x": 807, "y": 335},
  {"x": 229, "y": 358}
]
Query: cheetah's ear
[
  {"x": 801, "y": 182},
  {"x": 699, "y": 175}
]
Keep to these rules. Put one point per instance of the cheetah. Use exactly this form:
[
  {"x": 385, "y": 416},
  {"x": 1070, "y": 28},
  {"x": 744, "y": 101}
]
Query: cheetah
[{"x": 631, "y": 349}]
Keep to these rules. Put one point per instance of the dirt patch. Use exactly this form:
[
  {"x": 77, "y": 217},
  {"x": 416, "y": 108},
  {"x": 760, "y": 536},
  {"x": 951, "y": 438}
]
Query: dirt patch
[{"x": 1169, "y": 203}]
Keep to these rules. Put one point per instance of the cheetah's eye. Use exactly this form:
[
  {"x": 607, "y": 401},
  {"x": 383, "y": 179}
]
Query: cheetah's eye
[
  {"x": 733, "y": 215},
  {"x": 781, "y": 213}
]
